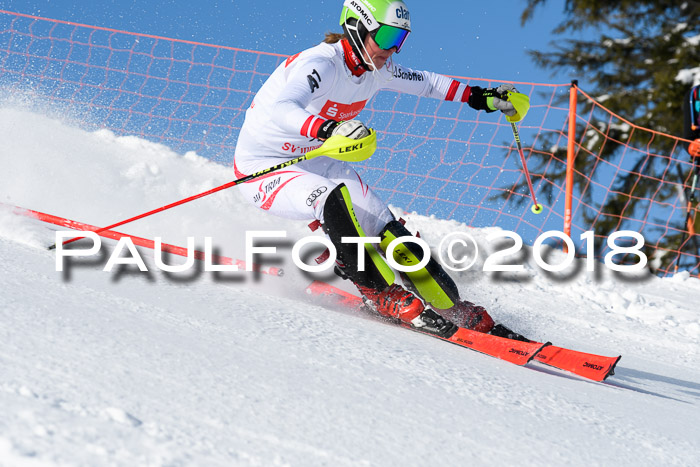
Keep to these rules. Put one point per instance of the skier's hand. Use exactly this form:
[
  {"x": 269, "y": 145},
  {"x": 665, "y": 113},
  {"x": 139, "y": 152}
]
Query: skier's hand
[
  {"x": 492, "y": 99},
  {"x": 353, "y": 129}
]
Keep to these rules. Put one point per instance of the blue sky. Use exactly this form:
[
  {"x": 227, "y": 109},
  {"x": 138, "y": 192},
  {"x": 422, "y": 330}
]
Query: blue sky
[
  {"x": 480, "y": 40},
  {"x": 474, "y": 39}
]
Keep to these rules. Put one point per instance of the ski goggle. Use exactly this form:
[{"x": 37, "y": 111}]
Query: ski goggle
[{"x": 387, "y": 37}]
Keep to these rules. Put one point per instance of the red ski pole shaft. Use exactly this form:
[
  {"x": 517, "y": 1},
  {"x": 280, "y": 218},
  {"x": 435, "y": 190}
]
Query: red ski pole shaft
[
  {"x": 191, "y": 198},
  {"x": 516, "y": 135},
  {"x": 336, "y": 147}
]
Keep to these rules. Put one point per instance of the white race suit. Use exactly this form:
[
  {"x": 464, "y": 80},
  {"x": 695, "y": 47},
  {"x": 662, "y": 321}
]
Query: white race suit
[{"x": 282, "y": 123}]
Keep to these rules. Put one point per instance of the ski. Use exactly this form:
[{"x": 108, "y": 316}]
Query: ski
[
  {"x": 589, "y": 366},
  {"x": 512, "y": 351}
]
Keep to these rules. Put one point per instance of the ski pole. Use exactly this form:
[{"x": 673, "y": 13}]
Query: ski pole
[
  {"x": 336, "y": 147},
  {"x": 693, "y": 95},
  {"x": 522, "y": 104},
  {"x": 536, "y": 208}
]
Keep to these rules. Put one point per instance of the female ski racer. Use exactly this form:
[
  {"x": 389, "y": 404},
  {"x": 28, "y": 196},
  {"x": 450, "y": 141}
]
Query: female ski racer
[{"x": 316, "y": 94}]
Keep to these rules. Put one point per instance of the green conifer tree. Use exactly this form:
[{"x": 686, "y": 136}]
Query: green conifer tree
[{"x": 641, "y": 64}]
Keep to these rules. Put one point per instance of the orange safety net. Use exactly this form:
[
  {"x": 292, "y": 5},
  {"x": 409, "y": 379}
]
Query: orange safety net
[{"x": 434, "y": 157}]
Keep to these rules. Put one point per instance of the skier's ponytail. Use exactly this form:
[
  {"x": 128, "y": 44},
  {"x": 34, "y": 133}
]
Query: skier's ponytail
[{"x": 333, "y": 37}]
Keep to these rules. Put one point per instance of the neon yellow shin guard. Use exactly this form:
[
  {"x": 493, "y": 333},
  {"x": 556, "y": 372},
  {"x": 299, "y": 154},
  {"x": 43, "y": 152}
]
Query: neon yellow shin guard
[{"x": 431, "y": 282}]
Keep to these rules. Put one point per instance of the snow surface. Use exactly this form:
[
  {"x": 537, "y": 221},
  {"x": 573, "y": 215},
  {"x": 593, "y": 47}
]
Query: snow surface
[{"x": 201, "y": 368}]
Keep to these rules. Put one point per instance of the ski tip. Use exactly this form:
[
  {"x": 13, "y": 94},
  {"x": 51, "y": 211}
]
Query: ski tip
[
  {"x": 611, "y": 371},
  {"x": 52, "y": 247}
]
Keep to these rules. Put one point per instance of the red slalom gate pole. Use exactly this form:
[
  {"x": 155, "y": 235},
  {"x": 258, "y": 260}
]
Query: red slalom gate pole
[{"x": 570, "y": 160}]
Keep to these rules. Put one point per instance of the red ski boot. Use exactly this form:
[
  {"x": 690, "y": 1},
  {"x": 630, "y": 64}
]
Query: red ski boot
[
  {"x": 477, "y": 319},
  {"x": 394, "y": 301},
  {"x": 473, "y": 316},
  {"x": 397, "y": 302}
]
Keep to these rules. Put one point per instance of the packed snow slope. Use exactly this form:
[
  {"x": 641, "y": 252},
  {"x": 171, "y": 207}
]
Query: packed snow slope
[{"x": 200, "y": 368}]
